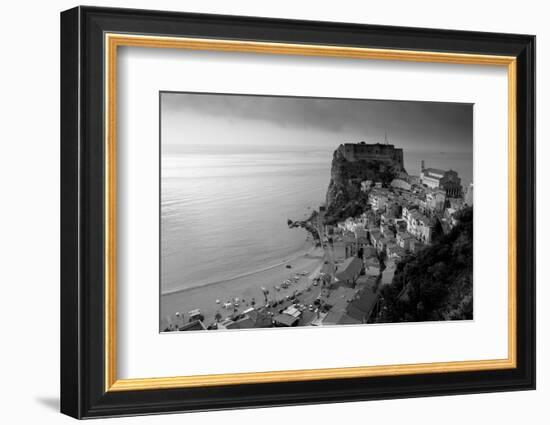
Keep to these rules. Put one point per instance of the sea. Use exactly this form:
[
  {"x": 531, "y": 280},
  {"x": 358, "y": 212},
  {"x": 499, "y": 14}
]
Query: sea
[{"x": 224, "y": 213}]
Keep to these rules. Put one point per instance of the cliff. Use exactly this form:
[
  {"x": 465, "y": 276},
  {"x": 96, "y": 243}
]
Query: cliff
[{"x": 344, "y": 197}]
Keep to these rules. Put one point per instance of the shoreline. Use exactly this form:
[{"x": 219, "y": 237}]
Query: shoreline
[
  {"x": 284, "y": 262},
  {"x": 245, "y": 287}
]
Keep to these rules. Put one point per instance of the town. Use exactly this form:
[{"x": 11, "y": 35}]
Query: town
[{"x": 400, "y": 216}]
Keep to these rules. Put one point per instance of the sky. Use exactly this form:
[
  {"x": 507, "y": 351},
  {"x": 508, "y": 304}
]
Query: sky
[{"x": 274, "y": 122}]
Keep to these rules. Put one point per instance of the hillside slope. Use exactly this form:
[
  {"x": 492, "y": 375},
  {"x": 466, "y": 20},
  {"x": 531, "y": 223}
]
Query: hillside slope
[{"x": 436, "y": 284}]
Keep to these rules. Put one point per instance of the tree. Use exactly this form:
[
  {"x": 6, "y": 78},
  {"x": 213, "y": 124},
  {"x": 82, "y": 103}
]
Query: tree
[{"x": 435, "y": 284}]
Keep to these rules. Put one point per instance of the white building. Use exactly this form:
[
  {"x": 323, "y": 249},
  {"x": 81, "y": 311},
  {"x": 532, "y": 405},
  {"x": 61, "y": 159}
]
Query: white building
[
  {"x": 439, "y": 179},
  {"x": 400, "y": 184},
  {"x": 418, "y": 225},
  {"x": 378, "y": 201}
]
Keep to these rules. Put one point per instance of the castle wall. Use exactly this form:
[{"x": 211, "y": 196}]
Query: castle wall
[{"x": 365, "y": 152}]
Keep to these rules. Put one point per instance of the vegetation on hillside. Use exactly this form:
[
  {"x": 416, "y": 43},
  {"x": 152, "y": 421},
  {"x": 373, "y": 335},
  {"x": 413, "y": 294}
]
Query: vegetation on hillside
[{"x": 435, "y": 284}]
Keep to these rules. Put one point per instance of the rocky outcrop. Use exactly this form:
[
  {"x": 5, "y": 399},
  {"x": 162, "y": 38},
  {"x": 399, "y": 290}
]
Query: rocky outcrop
[
  {"x": 344, "y": 197},
  {"x": 310, "y": 225}
]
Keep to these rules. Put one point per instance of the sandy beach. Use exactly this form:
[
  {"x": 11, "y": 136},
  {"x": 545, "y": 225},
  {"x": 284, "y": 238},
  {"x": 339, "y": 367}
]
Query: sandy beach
[{"x": 245, "y": 288}]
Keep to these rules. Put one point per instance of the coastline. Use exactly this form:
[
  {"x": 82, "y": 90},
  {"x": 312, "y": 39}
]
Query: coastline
[
  {"x": 283, "y": 262},
  {"x": 245, "y": 286}
]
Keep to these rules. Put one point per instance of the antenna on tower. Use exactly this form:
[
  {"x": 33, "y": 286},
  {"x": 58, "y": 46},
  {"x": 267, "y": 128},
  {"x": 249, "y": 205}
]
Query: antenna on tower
[{"x": 386, "y": 137}]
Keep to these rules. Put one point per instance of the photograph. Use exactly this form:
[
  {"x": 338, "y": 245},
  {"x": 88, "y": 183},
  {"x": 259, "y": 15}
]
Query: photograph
[
  {"x": 279, "y": 211},
  {"x": 296, "y": 190}
]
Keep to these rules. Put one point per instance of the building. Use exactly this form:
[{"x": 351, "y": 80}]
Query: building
[
  {"x": 404, "y": 240},
  {"x": 456, "y": 203},
  {"x": 378, "y": 201},
  {"x": 450, "y": 217},
  {"x": 407, "y": 210},
  {"x": 417, "y": 246},
  {"x": 366, "y": 185},
  {"x": 348, "y": 272},
  {"x": 384, "y": 242},
  {"x": 400, "y": 225},
  {"x": 339, "y": 250},
  {"x": 469, "y": 195},
  {"x": 439, "y": 179},
  {"x": 195, "y": 325},
  {"x": 420, "y": 226},
  {"x": 395, "y": 252},
  {"x": 360, "y": 232},
  {"x": 368, "y": 218},
  {"x": 371, "y": 152},
  {"x": 400, "y": 184},
  {"x": 338, "y": 318},
  {"x": 372, "y": 266},
  {"x": 407, "y": 215},
  {"x": 260, "y": 317},
  {"x": 387, "y": 218},
  {"x": 386, "y": 232},
  {"x": 349, "y": 224},
  {"x": 375, "y": 236},
  {"x": 195, "y": 315},
  {"x": 245, "y": 322},
  {"x": 285, "y": 320},
  {"x": 369, "y": 251},
  {"x": 394, "y": 208},
  {"x": 387, "y": 274},
  {"x": 361, "y": 307},
  {"x": 344, "y": 246},
  {"x": 435, "y": 200}
]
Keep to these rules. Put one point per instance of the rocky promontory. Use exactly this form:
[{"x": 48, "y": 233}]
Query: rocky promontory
[{"x": 344, "y": 196}]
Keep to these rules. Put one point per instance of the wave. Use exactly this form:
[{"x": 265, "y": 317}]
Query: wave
[{"x": 241, "y": 275}]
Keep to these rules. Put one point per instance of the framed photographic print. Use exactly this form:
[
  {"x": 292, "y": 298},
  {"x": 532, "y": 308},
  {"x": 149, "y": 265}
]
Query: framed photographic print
[{"x": 261, "y": 212}]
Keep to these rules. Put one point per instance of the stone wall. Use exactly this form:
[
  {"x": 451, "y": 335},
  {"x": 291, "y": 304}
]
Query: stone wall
[{"x": 371, "y": 152}]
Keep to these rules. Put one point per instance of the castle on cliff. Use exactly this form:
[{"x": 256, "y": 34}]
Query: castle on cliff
[{"x": 371, "y": 152}]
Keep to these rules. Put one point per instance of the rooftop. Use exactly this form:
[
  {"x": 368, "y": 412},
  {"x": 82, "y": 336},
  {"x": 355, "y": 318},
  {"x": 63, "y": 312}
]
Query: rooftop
[
  {"x": 362, "y": 306},
  {"x": 285, "y": 320},
  {"x": 196, "y": 325},
  {"x": 434, "y": 171},
  {"x": 349, "y": 269}
]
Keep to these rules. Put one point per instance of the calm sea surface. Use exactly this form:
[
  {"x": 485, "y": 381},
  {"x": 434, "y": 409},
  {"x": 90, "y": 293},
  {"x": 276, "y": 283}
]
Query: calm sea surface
[{"x": 225, "y": 214}]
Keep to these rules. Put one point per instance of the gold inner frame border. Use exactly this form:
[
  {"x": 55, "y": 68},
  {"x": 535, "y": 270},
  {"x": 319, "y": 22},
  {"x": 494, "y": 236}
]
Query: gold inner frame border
[{"x": 112, "y": 41}]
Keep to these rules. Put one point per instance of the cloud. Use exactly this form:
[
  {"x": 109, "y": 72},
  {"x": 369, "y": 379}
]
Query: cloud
[{"x": 444, "y": 124}]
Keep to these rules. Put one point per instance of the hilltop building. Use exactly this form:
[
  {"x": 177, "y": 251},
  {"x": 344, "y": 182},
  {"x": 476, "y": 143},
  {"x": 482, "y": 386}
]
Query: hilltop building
[
  {"x": 439, "y": 179},
  {"x": 371, "y": 152}
]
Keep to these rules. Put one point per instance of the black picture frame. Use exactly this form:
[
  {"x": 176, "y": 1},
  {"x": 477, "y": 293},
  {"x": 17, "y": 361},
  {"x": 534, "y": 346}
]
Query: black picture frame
[{"x": 83, "y": 392}]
